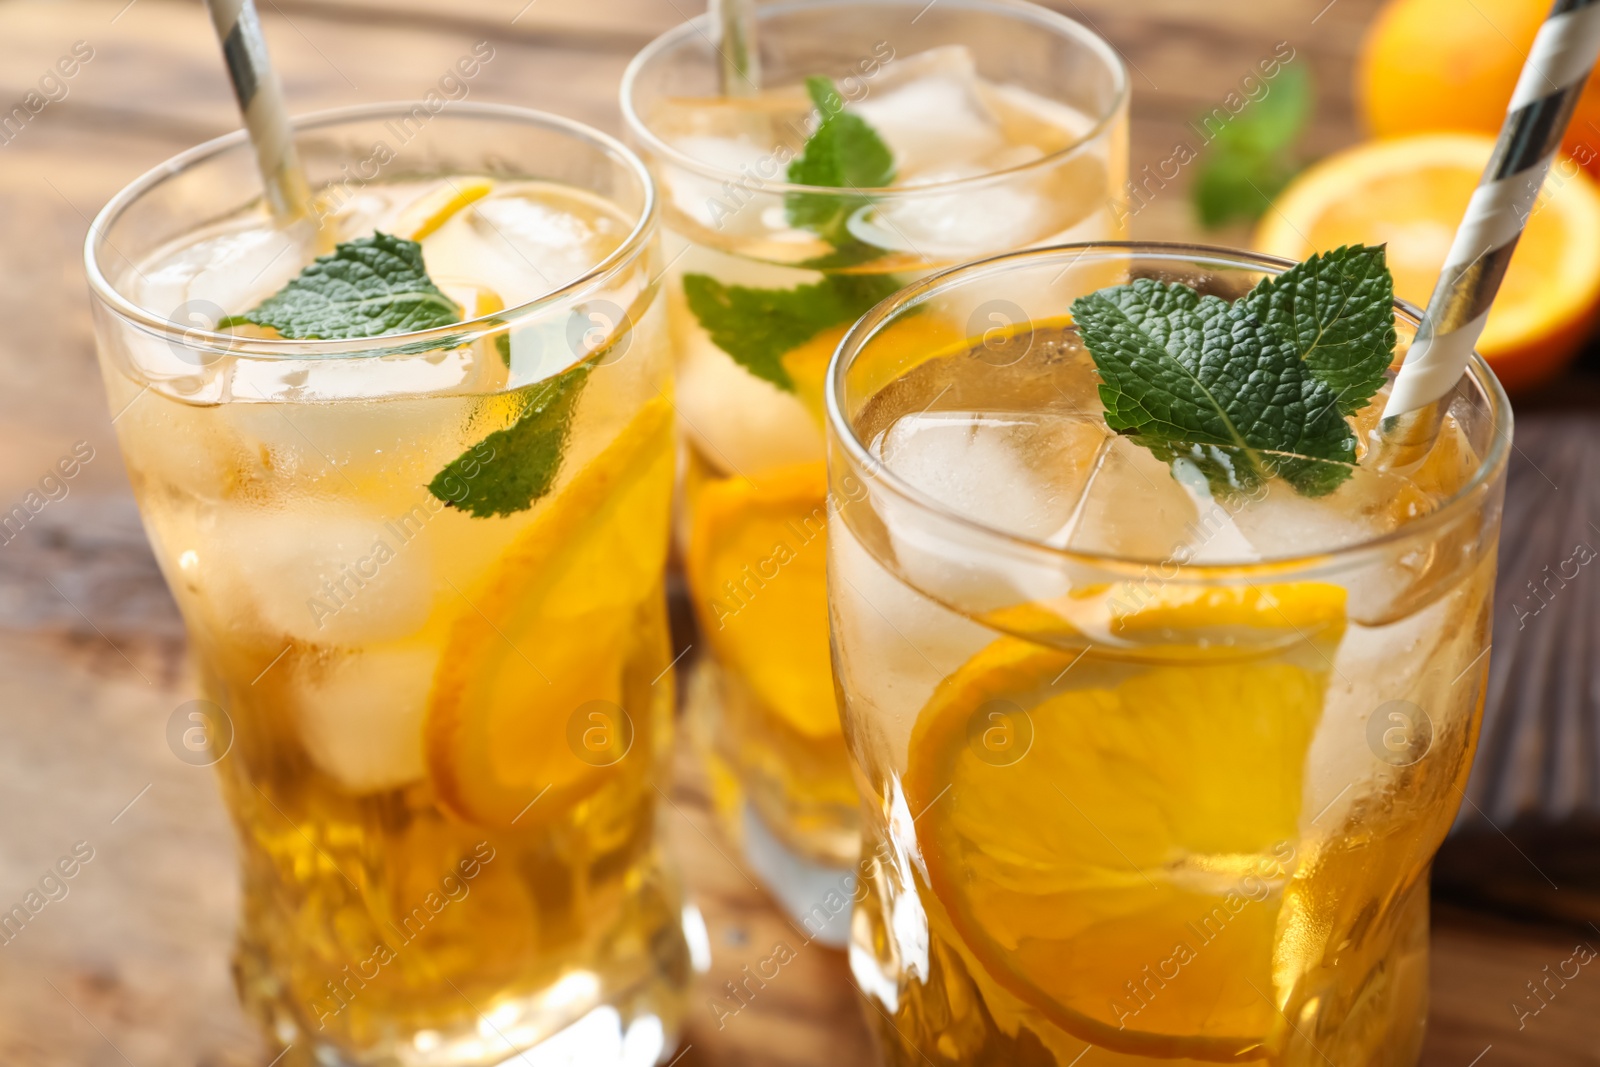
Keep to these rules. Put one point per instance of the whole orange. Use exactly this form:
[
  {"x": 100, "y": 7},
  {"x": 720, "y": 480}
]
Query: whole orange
[{"x": 1430, "y": 65}]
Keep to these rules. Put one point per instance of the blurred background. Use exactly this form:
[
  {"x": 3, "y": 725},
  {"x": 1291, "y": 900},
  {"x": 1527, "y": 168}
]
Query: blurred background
[{"x": 129, "y": 966}]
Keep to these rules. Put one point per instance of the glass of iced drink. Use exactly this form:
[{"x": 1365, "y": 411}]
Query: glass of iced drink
[
  {"x": 421, "y": 572},
  {"x": 1152, "y": 768},
  {"x": 886, "y": 140}
]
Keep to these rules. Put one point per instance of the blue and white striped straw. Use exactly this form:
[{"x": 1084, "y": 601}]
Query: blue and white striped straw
[
  {"x": 1536, "y": 120},
  {"x": 260, "y": 97}
]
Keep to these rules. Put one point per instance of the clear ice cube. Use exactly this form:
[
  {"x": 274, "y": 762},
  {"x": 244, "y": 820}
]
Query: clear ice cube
[
  {"x": 1131, "y": 507},
  {"x": 360, "y": 715},
  {"x": 529, "y": 245},
  {"x": 1023, "y": 473},
  {"x": 930, "y": 110},
  {"x": 317, "y": 576}
]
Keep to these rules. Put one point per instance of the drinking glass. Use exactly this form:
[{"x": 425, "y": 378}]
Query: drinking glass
[
  {"x": 1148, "y": 767},
  {"x": 439, "y": 716},
  {"x": 1007, "y": 124}
]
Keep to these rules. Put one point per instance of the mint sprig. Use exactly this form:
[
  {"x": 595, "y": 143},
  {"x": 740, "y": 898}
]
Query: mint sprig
[
  {"x": 367, "y": 287},
  {"x": 844, "y": 152},
  {"x": 1252, "y": 388},
  {"x": 1337, "y": 310},
  {"x": 1249, "y": 160},
  {"x": 758, "y": 327},
  {"x": 378, "y": 285}
]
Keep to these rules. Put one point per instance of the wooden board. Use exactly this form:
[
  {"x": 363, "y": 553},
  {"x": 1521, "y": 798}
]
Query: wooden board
[{"x": 130, "y": 968}]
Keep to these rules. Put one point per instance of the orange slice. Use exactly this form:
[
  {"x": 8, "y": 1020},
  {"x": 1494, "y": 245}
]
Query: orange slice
[
  {"x": 1118, "y": 863},
  {"x": 1410, "y": 194},
  {"x": 433, "y": 209},
  {"x": 757, "y": 572},
  {"x": 893, "y": 351},
  {"x": 540, "y": 647}
]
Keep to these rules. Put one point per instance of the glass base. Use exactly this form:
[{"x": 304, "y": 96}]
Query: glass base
[
  {"x": 816, "y": 896},
  {"x": 814, "y": 885},
  {"x": 576, "y": 1022},
  {"x": 632, "y": 1034}
]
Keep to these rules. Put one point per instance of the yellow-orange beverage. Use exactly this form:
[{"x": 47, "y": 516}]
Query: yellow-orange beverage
[
  {"x": 422, "y": 579},
  {"x": 1155, "y": 773},
  {"x": 982, "y": 148}
]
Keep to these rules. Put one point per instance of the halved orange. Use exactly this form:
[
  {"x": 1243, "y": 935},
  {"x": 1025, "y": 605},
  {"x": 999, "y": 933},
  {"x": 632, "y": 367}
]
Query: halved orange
[
  {"x": 1410, "y": 193},
  {"x": 1432, "y": 65},
  {"x": 545, "y": 639},
  {"x": 757, "y": 565},
  {"x": 1120, "y": 869}
]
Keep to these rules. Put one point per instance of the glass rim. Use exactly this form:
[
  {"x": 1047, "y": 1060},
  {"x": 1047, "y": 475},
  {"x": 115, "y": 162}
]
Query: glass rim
[
  {"x": 862, "y": 331},
  {"x": 701, "y": 26},
  {"x": 453, "y": 335}
]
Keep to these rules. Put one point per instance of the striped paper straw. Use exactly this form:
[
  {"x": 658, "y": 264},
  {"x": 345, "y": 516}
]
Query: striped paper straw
[
  {"x": 741, "y": 65},
  {"x": 260, "y": 96},
  {"x": 1536, "y": 120}
]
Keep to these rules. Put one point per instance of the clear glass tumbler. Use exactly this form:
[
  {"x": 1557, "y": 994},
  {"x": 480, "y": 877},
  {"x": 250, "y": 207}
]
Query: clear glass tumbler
[
  {"x": 1147, "y": 769},
  {"x": 439, "y": 716},
  {"x": 1007, "y": 127}
]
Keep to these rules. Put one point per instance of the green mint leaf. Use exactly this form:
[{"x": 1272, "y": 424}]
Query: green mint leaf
[
  {"x": 1238, "y": 188},
  {"x": 368, "y": 287},
  {"x": 1249, "y": 158},
  {"x": 1337, "y": 310},
  {"x": 1194, "y": 375},
  {"x": 510, "y": 469},
  {"x": 758, "y": 327},
  {"x": 844, "y": 152}
]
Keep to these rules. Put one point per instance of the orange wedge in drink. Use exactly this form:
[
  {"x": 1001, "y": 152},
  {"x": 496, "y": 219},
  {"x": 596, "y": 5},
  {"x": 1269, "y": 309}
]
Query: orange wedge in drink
[
  {"x": 757, "y": 567},
  {"x": 526, "y": 716},
  {"x": 1119, "y": 864}
]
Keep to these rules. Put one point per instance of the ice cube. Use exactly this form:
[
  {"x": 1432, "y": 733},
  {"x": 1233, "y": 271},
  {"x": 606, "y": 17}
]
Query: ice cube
[
  {"x": 528, "y": 241},
  {"x": 1023, "y": 473},
  {"x": 1132, "y": 507},
  {"x": 321, "y": 576},
  {"x": 901, "y": 645},
  {"x": 950, "y": 225},
  {"x": 223, "y": 274},
  {"x": 452, "y": 370},
  {"x": 945, "y": 124},
  {"x": 1278, "y": 521},
  {"x": 361, "y": 715},
  {"x": 931, "y": 112},
  {"x": 712, "y": 202},
  {"x": 195, "y": 288},
  {"x": 750, "y": 140}
]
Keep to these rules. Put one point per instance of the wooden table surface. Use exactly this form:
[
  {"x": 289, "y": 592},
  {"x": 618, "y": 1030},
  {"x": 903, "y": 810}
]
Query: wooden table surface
[{"x": 130, "y": 968}]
